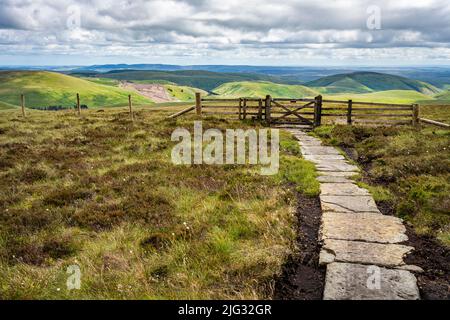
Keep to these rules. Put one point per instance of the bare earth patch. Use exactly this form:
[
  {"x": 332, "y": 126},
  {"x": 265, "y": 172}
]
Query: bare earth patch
[{"x": 155, "y": 92}]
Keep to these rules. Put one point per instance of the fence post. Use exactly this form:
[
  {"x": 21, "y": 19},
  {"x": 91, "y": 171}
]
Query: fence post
[
  {"x": 130, "y": 107},
  {"x": 349, "y": 112},
  {"x": 22, "y": 103},
  {"x": 78, "y": 104},
  {"x": 260, "y": 109},
  {"x": 240, "y": 108},
  {"x": 198, "y": 103},
  {"x": 245, "y": 108},
  {"x": 415, "y": 115},
  {"x": 318, "y": 111},
  {"x": 268, "y": 107}
]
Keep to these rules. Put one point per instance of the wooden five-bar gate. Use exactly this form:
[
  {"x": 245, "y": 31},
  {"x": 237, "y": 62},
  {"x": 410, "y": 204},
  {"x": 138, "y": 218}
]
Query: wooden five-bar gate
[{"x": 308, "y": 113}]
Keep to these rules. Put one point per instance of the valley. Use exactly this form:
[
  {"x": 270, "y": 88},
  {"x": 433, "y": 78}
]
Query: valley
[{"x": 111, "y": 88}]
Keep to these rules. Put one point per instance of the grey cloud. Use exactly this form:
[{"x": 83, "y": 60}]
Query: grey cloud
[{"x": 202, "y": 26}]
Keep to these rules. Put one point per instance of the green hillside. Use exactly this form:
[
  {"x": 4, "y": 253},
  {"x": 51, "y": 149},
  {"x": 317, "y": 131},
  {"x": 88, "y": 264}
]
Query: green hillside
[
  {"x": 388, "y": 96},
  {"x": 6, "y": 106},
  {"x": 443, "y": 96},
  {"x": 261, "y": 89},
  {"x": 43, "y": 89},
  {"x": 360, "y": 82},
  {"x": 205, "y": 80},
  {"x": 344, "y": 85},
  {"x": 183, "y": 93}
]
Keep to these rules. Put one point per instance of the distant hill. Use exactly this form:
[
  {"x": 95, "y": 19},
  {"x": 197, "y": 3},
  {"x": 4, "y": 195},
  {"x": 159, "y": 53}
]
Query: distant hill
[
  {"x": 365, "y": 82},
  {"x": 261, "y": 89},
  {"x": 42, "y": 88},
  {"x": 205, "y": 80}
]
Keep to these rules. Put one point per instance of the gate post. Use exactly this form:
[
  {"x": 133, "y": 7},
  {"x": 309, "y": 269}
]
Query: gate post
[
  {"x": 260, "y": 109},
  {"x": 268, "y": 107},
  {"x": 318, "y": 111}
]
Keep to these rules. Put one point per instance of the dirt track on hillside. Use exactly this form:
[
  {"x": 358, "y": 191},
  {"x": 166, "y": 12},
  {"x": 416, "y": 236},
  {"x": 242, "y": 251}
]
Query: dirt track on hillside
[{"x": 155, "y": 92}]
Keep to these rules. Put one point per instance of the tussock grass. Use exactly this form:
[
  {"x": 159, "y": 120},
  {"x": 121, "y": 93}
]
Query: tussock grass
[{"x": 102, "y": 193}]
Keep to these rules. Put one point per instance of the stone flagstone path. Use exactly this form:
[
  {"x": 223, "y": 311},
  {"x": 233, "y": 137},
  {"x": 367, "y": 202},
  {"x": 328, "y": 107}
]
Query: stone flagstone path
[{"x": 361, "y": 248}]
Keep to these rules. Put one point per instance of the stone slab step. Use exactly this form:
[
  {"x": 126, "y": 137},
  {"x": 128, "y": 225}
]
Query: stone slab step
[
  {"x": 385, "y": 255},
  {"x": 333, "y": 179},
  {"x": 311, "y": 142},
  {"x": 368, "y": 227},
  {"x": 348, "y": 204},
  {"x": 336, "y": 165},
  {"x": 345, "y": 281},
  {"x": 318, "y": 150},
  {"x": 337, "y": 173},
  {"x": 342, "y": 189},
  {"x": 313, "y": 158}
]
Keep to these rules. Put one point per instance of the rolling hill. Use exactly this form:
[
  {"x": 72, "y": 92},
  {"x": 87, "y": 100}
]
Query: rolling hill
[
  {"x": 42, "y": 89},
  {"x": 365, "y": 82},
  {"x": 261, "y": 89},
  {"x": 205, "y": 80},
  {"x": 388, "y": 96}
]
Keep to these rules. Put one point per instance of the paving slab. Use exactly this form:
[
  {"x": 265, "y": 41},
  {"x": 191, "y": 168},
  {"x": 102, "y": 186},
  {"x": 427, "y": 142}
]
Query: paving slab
[
  {"x": 342, "y": 189},
  {"x": 385, "y": 255},
  {"x": 368, "y": 227},
  {"x": 345, "y": 281},
  {"x": 337, "y": 173},
  {"x": 319, "y": 150},
  {"x": 307, "y": 143},
  {"x": 313, "y": 158},
  {"x": 336, "y": 165},
  {"x": 348, "y": 204},
  {"x": 361, "y": 247},
  {"x": 333, "y": 179}
]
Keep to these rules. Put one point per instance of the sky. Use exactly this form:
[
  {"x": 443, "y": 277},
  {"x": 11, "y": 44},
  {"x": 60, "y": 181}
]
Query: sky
[{"x": 263, "y": 32}]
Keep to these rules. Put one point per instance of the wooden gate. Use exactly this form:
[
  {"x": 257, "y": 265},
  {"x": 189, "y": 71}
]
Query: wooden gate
[{"x": 293, "y": 112}]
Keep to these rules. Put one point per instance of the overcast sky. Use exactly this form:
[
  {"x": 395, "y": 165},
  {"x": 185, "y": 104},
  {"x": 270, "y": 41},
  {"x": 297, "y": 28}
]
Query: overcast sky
[{"x": 263, "y": 32}]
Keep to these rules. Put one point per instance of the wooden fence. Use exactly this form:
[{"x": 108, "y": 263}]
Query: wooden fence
[
  {"x": 314, "y": 112},
  {"x": 78, "y": 105}
]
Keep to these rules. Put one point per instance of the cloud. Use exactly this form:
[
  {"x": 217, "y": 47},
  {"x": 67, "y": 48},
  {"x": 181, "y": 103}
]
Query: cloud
[{"x": 291, "y": 29}]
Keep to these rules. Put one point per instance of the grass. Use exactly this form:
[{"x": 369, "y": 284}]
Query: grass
[
  {"x": 436, "y": 112},
  {"x": 103, "y": 81},
  {"x": 389, "y": 96},
  {"x": 44, "y": 89},
  {"x": 405, "y": 169},
  {"x": 6, "y": 106},
  {"x": 252, "y": 89},
  {"x": 101, "y": 192},
  {"x": 183, "y": 93}
]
